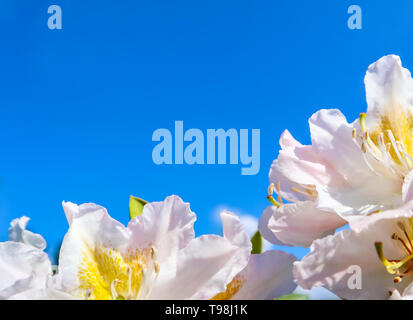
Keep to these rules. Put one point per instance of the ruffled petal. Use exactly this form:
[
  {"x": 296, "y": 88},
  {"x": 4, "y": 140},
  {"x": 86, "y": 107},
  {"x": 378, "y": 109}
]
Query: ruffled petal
[
  {"x": 91, "y": 227},
  {"x": 167, "y": 226},
  {"x": 298, "y": 166},
  {"x": 22, "y": 267},
  {"x": 18, "y": 233},
  {"x": 389, "y": 91},
  {"x": 334, "y": 260},
  {"x": 298, "y": 224},
  {"x": 206, "y": 265},
  {"x": 265, "y": 231},
  {"x": 267, "y": 276}
]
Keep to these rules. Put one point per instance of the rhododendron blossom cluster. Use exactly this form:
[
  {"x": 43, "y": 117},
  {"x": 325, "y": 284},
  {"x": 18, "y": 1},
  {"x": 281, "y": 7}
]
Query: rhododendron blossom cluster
[{"x": 348, "y": 197}]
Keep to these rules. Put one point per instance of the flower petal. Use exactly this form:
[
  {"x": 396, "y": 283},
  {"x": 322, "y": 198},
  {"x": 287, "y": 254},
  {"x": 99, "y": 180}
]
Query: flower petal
[
  {"x": 298, "y": 224},
  {"x": 167, "y": 226},
  {"x": 18, "y": 233},
  {"x": 298, "y": 165},
  {"x": 22, "y": 267},
  {"x": 332, "y": 140},
  {"x": 265, "y": 231},
  {"x": 206, "y": 265},
  {"x": 333, "y": 259},
  {"x": 389, "y": 86},
  {"x": 90, "y": 226},
  {"x": 267, "y": 276}
]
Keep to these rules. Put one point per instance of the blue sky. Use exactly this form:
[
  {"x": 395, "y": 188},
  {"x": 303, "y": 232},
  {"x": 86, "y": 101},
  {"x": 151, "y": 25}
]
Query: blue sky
[{"x": 78, "y": 106}]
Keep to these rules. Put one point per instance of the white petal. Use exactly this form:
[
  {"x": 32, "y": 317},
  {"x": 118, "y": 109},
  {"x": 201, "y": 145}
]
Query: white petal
[
  {"x": 167, "y": 226},
  {"x": 18, "y": 233},
  {"x": 373, "y": 194},
  {"x": 265, "y": 231},
  {"x": 71, "y": 211},
  {"x": 331, "y": 136},
  {"x": 298, "y": 224},
  {"x": 330, "y": 261},
  {"x": 90, "y": 226},
  {"x": 206, "y": 265},
  {"x": 298, "y": 165},
  {"x": 22, "y": 267},
  {"x": 267, "y": 276},
  {"x": 388, "y": 85}
]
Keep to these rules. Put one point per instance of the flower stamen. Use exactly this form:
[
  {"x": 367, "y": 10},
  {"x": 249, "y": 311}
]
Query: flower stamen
[{"x": 270, "y": 196}]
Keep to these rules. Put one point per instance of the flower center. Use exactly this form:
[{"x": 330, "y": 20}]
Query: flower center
[
  {"x": 402, "y": 267},
  {"x": 106, "y": 274},
  {"x": 390, "y": 142},
  {"x": 308, "y": 191}
]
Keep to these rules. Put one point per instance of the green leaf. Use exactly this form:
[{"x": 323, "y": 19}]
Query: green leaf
[
  {"x": 256, "y": 241},
  {"x": 136, "y": 206},
  {"x": 294, "y": 296}
]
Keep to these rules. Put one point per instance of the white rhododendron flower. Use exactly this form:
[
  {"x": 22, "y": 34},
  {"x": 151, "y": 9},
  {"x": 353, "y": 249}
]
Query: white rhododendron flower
[
  {"x": 18, "y": 233},
  {"x": 349, "y": 170},
  {"x": 371, "y": 260},
  {"x": 23, "y": 264},
  {"x": 22, "y": 268},
  {"x": 156, "y": 256}
]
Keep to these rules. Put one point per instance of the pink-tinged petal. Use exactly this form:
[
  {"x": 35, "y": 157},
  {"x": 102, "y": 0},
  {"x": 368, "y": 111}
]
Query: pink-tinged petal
[
  {"x": 168, "y": 226},
  {"x": 333, "y": 260},
  {"x": 298, "y": 224},
  {"x": 90, "y": 226},
  {"x": 375, "y": 193},
  {"x": 265, "y": 231},
  {"x": 18, "y": 233},
  {"x": 388, "y": 86},
  {"x": 267, "y": 276},
  {"x": 358, "y": 224},
  {"x": 22, "y": 267},
  {"x": 288, "y": 141},
  {"x": 332, "y": 140},
  {"x": 206, "y": 265},
  {"x": 299, "y": 165}
]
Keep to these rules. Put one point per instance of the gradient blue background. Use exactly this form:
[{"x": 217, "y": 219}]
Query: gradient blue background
[{"x": 78, "y": 106}]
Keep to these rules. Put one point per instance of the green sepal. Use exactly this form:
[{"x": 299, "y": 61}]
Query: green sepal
[
  {"x": 256, "y": 241},
  {"x": 136, "y": 206}
]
